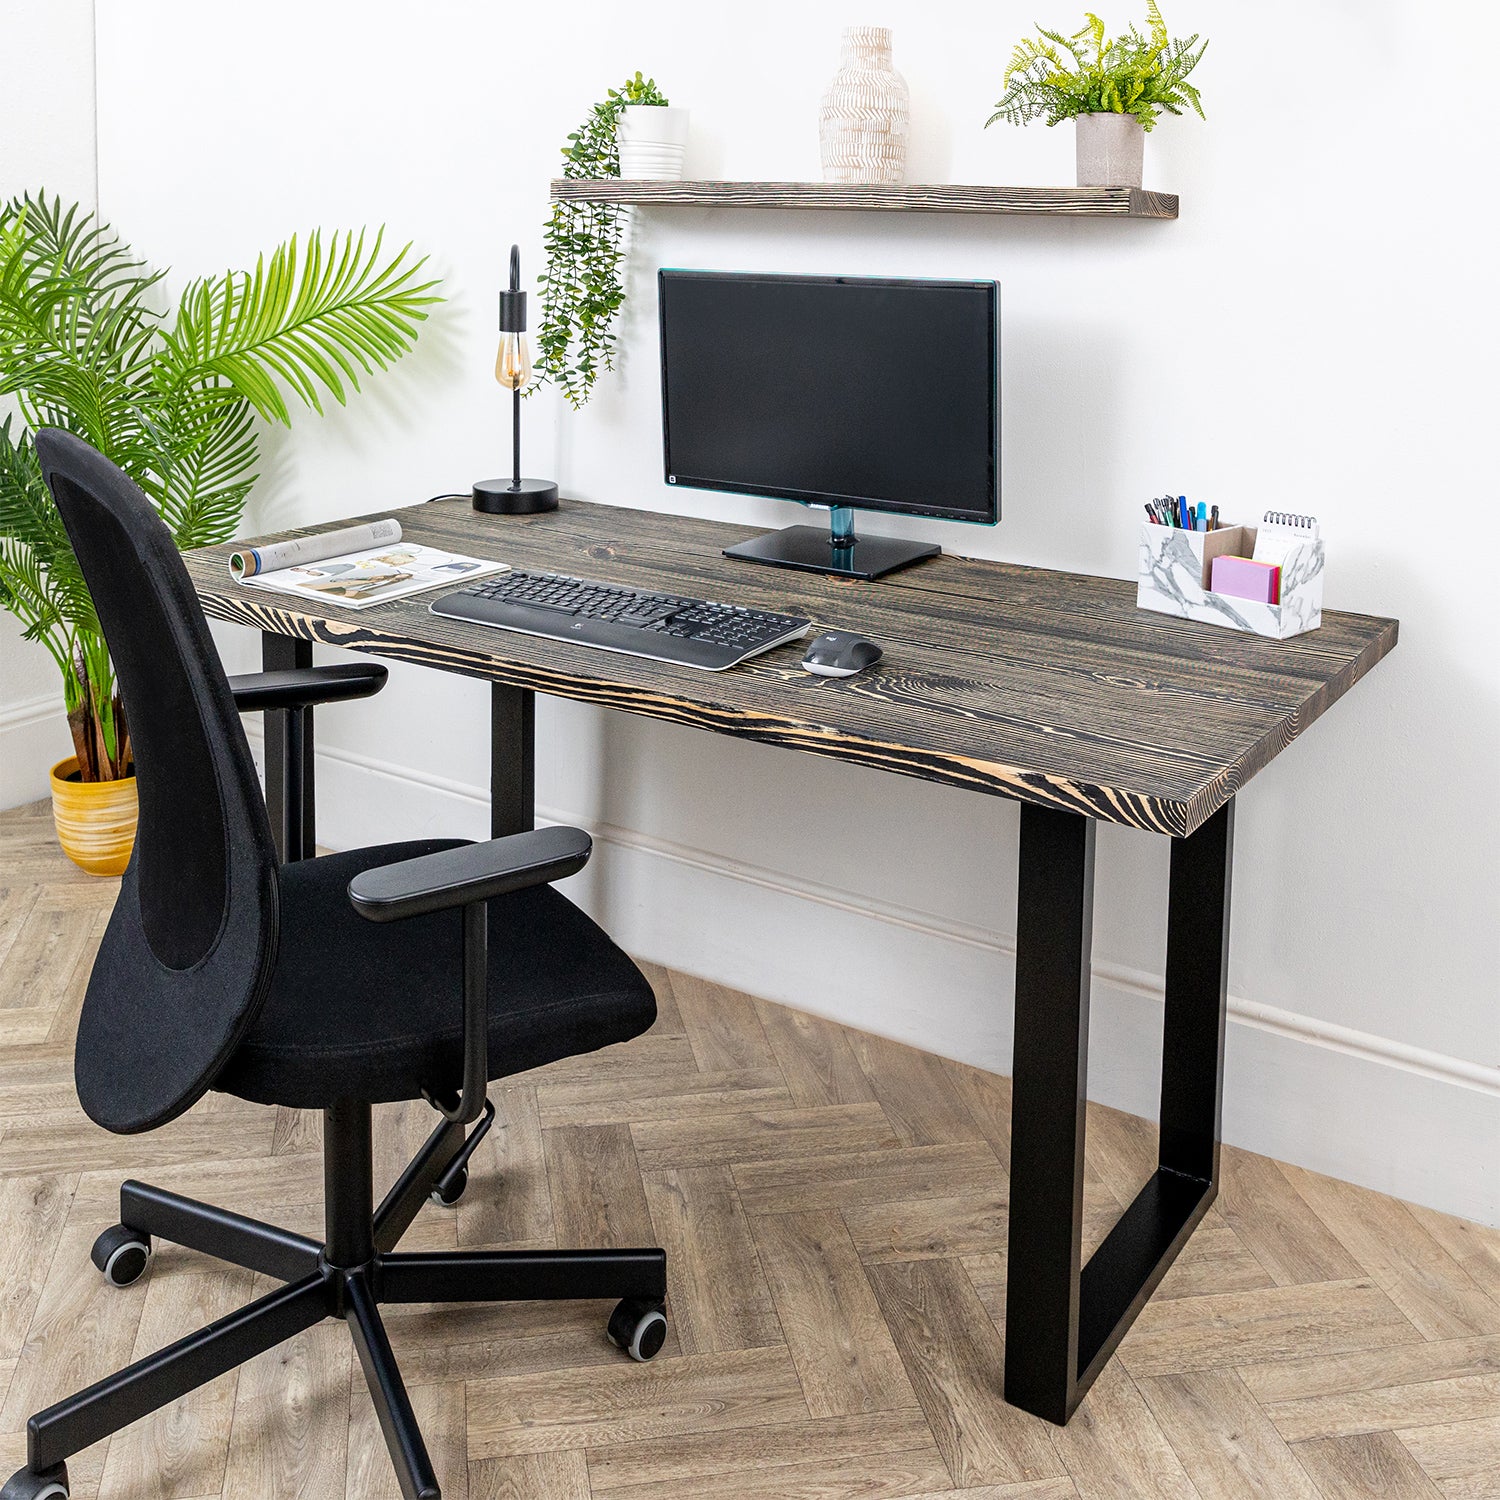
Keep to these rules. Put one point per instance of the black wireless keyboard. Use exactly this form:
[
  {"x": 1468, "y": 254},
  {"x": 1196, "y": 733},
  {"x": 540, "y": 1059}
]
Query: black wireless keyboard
[{"x": 664, "y": 627}]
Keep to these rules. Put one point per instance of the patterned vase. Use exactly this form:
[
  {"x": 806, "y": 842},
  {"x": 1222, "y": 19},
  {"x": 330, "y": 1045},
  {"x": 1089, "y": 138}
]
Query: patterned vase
[{"x": 866, "y": 112}]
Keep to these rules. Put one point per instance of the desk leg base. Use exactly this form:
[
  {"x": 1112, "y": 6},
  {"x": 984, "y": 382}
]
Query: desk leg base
[{"x": 1064, "y": 1319}]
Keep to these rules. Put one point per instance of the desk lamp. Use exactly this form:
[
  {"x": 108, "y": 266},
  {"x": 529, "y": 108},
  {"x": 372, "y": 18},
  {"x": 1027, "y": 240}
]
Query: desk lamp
[{"x": 514, "y": 496}]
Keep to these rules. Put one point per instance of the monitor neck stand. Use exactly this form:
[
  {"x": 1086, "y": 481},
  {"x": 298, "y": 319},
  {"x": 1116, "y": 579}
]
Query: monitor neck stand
[{"x": 837, "y": 551}]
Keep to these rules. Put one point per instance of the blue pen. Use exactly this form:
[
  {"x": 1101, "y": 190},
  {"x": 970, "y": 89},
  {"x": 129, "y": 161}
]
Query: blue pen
[
  {"x": 1201, "y": 524},
  {"x": 1184, "y": 520}
]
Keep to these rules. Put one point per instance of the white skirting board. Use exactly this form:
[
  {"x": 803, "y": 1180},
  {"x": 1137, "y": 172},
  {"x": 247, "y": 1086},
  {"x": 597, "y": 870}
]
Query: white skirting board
[
  {"x": 33, "y": 738},
  {"x": 1419, "y": 1125}
]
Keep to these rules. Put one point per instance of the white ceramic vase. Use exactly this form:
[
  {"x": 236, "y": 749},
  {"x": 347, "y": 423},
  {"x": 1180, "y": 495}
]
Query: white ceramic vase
[
  {"x": 652, "y": 139},
  {"x": 1111, "y": 150},
  {"x": 866, "y": 113}
]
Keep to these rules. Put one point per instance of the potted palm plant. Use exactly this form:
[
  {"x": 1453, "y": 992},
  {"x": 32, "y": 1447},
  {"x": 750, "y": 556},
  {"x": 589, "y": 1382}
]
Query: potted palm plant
[
  {"x": 1115, "y": 87},
  {"x": 173, "y": 399}
]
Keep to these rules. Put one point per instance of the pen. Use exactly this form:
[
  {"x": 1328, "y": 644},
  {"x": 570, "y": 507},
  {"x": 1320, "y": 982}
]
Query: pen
[
  {"x": 1213, "y": 519},
  {"x": 1183, "y": 519},
  {"x": 1200, "y": 521}
]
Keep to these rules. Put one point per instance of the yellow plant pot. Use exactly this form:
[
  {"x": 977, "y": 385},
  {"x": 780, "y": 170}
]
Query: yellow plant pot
[{"x": 95, "y": 819}]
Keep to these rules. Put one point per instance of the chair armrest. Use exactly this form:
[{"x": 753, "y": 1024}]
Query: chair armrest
[
  {"x": 471, "y": 873},
  {"x": 299, "y": 687}
]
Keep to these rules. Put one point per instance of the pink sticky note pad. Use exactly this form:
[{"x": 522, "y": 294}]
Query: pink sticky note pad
[{"x": 1243, "y": 578}]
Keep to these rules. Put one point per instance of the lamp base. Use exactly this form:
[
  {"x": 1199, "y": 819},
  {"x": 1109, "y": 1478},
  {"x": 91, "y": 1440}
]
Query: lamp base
[{"x": 506, "y": 497}]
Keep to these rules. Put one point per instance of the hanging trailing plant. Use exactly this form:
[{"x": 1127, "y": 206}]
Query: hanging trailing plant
[{"x": 582, "y": 289}]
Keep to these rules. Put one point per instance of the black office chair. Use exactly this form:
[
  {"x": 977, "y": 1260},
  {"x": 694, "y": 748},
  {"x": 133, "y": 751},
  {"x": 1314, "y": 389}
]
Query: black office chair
[{"x": 416, "y": 970}]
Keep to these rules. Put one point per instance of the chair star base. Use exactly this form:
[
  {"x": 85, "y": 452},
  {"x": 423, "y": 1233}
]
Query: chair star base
[{"x": 327, "y": 1281}]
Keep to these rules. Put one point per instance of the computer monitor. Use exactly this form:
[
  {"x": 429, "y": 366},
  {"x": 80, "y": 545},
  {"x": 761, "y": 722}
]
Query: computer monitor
[{"x": 854, "y": 392}]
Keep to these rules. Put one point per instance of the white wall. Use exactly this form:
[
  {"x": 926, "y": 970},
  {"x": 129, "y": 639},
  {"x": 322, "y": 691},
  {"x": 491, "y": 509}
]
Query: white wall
[
  {"x": 1315, "y": 332},
  {"x": 46, "y": 142}
]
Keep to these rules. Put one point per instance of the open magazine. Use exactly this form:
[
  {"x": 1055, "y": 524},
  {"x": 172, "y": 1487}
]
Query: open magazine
[{"x": 354, "y": 567}]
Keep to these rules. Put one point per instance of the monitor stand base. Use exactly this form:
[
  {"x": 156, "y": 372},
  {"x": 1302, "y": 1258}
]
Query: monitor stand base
[{"x": 810, "y": 549}]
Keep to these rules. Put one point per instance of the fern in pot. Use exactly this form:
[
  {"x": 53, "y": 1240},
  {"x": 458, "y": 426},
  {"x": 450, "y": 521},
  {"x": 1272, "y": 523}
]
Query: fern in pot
[
  {"x": 1116, "y": 88},
  {"x": 173, "y": 398}
]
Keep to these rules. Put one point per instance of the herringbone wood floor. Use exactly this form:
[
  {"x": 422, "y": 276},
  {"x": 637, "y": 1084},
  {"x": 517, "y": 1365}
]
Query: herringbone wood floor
[{"x": 833, "y": 1206}]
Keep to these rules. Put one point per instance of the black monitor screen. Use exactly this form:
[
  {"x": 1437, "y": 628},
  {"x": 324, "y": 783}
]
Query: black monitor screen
[{"x": 839, "y": 390}]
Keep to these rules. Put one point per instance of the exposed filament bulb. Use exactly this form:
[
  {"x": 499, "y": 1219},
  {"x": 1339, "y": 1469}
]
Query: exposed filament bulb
[{"x": 513, "y": 361}]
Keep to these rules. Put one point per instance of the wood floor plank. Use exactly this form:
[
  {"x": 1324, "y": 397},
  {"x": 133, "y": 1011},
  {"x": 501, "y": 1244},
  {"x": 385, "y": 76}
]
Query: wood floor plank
[
  {"x": 530, "y": 1476},
  {"x": 509, "y": 1198},
  {"x": 891, "y": 1476},
  {"x": 287, "y": 1190},
  {"x": 1461, "y": 1458},
  {"x": 443, "y": 1345},
  {"x": 291, "y": 1418},
  {"x": 1113, "y": 1446},
  {"x": 986, "y": 1095},
  {"x": 1214, "y": 1260},
  {"x": 1200, "y": 1333},
  {"x": 1350, "y": 1374},
  {"x": 595, "y": 1181},
  {"x": 779, "y": 1187},
  {"x": 685, "y": 1457},
  {"x": 1465, "y": 1398},
  {"x": 814, "y": 1055},
  {"x": 1418, "y": 1275},
  {"x": 576, "y": 1409},
  {"x": 917, "y": 1093},
  {"x": 182, "y": 1450},
  {"x": 668, "y": 1018},
  {"x": 1267, "y": 1213},
  {"x": 762, "y": 1135},
  {"x": 33, "y": 1211},
  {"x": 82, "y": 1330},
  {"x": 719, "y": 1298},
  {"x": 672, "y": 1095},
  {"x": 1364, "y": 1465},
  {"x": 1474, "y": 1247},
  {"x": 299, "y": 1132},
  {"x": 929, "y": 1228},
  {"x": 831, "y": 1321},
  {"x": 722, "y": 1026},
  {"x": 954, "y": 1359},
  {"x": 440, "y": 1415},
  {"x": 1225, "y": 1442}
]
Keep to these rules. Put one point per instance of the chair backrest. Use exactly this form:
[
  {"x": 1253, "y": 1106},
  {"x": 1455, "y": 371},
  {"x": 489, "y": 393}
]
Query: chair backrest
[{"x": 185, "y": 962}]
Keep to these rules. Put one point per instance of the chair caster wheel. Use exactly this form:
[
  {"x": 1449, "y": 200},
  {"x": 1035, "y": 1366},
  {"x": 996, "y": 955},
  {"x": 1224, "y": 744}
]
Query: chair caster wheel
[
  {"x": 450, "y": 1187},
  {"x": 24, "y": 1485},
  {"x": 639, "y": 1328},
  {"x": 122, "y": 1254}
]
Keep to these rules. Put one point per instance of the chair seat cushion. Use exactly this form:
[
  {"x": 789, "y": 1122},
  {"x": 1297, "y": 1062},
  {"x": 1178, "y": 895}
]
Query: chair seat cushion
[{"x": 374, "y": 1011}]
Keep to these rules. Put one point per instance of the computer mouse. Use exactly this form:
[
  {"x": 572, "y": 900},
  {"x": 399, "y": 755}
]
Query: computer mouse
[{"x": 840, "y": 653}]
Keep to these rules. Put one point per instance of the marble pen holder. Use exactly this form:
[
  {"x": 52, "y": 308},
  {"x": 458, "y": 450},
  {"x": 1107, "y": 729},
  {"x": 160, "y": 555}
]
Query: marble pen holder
[{"x": 1175, "y": 565}]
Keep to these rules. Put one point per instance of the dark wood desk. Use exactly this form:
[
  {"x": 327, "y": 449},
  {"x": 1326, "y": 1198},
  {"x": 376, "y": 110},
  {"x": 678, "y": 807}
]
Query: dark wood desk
[{"x": 1050, "y": 688}]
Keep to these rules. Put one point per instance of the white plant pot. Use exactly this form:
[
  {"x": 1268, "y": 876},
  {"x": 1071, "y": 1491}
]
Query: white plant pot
[
  {"x": 1111, "y": 150},
  {"x": 652, "y": 139},
  {"x": 866, "y": 112}
]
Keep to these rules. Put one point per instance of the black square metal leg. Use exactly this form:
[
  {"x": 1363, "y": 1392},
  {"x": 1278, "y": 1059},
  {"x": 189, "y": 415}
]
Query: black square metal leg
[
  {"x": 289, "y": 757},
  {"x": 1064, "y": 1319},
  {"x": 512, "y": 760}
]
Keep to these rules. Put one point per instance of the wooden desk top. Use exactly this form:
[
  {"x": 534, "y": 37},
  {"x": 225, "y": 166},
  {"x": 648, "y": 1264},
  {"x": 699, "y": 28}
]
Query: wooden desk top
[{"x": 1020, "y": 682}]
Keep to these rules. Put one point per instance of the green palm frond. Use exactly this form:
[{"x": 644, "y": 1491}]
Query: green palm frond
[
  {"x": 312, "y": 321},
  {"x": 203, "y": 464},
  {"x": 83, "y": 348}
]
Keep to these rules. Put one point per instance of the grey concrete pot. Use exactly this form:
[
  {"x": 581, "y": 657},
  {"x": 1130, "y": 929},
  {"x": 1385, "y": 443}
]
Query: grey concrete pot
[{"x": 1110, "y": 150}]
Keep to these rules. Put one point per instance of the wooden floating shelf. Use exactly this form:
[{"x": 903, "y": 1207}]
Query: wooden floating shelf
[{"x": 938, "y": 198}]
